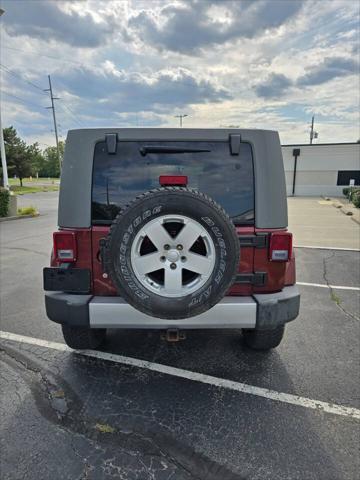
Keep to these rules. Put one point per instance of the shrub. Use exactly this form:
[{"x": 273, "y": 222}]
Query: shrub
[
  {"x": 349, "y": 191},
  {"x": 27, "y": 211},
  {"x": 4, "y": 202},
  {"x": 356, "y": 198},
  {"x": 352, "y": 192}
]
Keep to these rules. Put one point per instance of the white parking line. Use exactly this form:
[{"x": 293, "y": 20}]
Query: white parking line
[
  {"x": 328, "y": 248},
  {"x": 194, "y": 376},
  {"x": 324, "y": 285}
]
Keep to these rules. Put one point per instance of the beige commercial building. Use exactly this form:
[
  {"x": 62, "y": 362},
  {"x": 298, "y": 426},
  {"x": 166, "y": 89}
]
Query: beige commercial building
[{"x": 321, "y": 169}]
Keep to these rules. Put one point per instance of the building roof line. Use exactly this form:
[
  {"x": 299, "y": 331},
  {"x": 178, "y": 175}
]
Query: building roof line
[{"x": 318, "y": 144}]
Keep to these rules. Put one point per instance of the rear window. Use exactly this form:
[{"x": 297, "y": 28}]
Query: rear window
[{"x": 118, "y": 178}]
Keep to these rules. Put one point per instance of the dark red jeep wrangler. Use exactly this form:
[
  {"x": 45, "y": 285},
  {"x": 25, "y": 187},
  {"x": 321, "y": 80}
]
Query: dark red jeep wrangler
[{"x": 172, "y": 229}]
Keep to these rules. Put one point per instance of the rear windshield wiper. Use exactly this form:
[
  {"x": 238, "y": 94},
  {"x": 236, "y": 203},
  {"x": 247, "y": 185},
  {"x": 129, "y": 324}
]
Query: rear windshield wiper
[
  {"x": 244, "y": 218},
  {"x": 160, "y": 149}
]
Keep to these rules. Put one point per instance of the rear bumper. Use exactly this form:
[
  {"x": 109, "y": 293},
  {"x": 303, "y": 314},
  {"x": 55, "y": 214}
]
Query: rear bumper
[{"x": 263, "y": 311}]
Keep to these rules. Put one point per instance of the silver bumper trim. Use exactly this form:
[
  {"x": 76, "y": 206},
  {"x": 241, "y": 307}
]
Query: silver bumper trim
[{"x": 230, "y": 312}]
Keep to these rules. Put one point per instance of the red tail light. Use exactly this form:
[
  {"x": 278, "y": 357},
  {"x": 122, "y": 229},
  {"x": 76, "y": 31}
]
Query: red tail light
[
  {"x": 280, "y": 247},
  {"x": 170, "y": 180},
  {"x": 65, "y": 246}
]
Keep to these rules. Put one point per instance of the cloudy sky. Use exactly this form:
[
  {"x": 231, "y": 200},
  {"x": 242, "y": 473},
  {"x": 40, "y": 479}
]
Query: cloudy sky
[{"x": 251, "y": 63}]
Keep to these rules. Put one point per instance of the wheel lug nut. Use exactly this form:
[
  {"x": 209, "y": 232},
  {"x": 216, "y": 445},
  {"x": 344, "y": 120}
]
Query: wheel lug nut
[
  {"x": 172, "y": 266},
  {"x": 179, "y": 247},
  {"x": 162, "y": 258},
  {"x": 183, "y": 259},
  {"x": 166, "y": 247}
]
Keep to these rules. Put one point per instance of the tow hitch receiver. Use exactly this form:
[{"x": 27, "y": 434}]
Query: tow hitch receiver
[{"x": 173, "y": 335}]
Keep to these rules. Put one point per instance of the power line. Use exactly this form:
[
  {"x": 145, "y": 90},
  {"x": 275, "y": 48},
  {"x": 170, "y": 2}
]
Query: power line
[
  {"x": 63, "y": 106},
  {"x": 15, "y": 74},
  {"x": 22, "y": 100},
  {"x": 50, "y": 56},
  {"x": 173, "y": 81},
  {"x": 66, "y": 107},
  {"x": 39, "y": 106},
  {"x": 7, "y": 70}
]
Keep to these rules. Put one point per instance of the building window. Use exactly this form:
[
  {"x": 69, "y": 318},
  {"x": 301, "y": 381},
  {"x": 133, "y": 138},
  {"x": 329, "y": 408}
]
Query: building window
[{"x": 344, "y": 177}]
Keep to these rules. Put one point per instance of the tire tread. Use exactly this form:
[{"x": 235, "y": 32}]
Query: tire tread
[
  {"x": 264, "y": 339},
  {"x": 82, "y": 338},
  {"x": 106, "y": 257}
]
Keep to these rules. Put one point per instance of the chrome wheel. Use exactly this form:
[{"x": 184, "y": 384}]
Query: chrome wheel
[{"x": 173, "y": 255}]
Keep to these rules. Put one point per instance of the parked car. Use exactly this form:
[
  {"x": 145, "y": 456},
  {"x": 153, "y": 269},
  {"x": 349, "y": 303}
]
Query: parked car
[{"x": 172, "y": 229}]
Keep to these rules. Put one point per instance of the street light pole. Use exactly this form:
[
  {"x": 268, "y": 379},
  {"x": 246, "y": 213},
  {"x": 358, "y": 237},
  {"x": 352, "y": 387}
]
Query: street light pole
[
  {"x": 313, "y": 134},
  {"x": 312, "y": 130},
  {"x": 180, "y": 117},
  {"x": 2, "y": 146}
]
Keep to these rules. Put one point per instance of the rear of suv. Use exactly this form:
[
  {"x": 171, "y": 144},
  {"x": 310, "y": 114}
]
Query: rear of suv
[{"x": 172, "y": 229}]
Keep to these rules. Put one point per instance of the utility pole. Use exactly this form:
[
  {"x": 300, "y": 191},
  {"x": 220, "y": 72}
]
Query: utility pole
[
  {"x": 180, "y": 117},
  {"x": 3, "y": 157},
  {"x": 2, "y": 145},
  {"x": 54, "y": 117},
  {"x": 313, "y": 134}
]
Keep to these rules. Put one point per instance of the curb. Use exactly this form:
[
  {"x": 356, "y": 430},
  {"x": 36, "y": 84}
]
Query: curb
[
  {"x": 355, "y": 220},
  {"x": 17, "y": 217},
  {"x": 345, "y": 209},
  {"x": 318, "y": 247}
]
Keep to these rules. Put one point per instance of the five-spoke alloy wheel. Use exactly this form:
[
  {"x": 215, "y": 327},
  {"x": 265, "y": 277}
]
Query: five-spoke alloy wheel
[{"x": 173, "y": 255}]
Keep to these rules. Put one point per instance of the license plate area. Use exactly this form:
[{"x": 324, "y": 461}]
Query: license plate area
[{"x": 72, "y": 280}]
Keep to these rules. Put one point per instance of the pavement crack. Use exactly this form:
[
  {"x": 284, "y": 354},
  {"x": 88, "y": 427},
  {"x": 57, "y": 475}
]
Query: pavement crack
[
  {"x": 334, "y": 297},
  {"x": 52, "y": 393},
  {"x": 168, "y": 456},
  {"x": 57, "y": 407},
  {"x": 87, "y": 465},
  {"x": 196, "y": 465}
]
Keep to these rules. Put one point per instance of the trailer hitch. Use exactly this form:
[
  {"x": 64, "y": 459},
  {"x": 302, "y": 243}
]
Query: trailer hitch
[{"x": 173, "y": 335}]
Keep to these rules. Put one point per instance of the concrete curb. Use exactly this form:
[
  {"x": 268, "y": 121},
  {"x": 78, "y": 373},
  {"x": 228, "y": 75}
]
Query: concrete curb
[
  {"x": 347, "y": 209},
  {"x": 356, "y": 220},
  {"x": 17, "y": 217},
  {"x": 319, "y": 247}
]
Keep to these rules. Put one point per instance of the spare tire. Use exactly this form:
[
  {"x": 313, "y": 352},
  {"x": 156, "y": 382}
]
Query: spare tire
[{"x": 172, "y": 253}]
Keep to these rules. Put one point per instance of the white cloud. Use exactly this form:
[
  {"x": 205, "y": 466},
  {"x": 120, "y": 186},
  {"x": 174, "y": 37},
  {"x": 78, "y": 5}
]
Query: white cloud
[{"x": 108, "y": 71}]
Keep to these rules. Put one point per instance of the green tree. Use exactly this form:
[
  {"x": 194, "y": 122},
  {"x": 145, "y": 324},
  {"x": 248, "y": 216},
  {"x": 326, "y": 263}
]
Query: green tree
[
  {"x": 36, "y": 159},
  {"x": 51, "y": 162},
  {"x": 17, "y": 154}
]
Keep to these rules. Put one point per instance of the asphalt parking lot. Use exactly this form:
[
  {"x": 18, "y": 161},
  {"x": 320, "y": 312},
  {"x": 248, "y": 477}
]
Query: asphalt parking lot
[{"x": 215, "y": 411}]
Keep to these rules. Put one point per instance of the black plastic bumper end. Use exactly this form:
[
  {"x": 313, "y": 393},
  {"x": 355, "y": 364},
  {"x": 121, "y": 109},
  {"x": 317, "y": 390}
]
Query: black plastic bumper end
[
  {"x": 72, "y": 310},
  {"x": 276, "y": 309}
]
